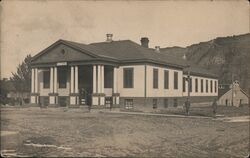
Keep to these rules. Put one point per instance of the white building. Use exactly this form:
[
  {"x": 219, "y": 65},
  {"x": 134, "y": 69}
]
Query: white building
[{"x": 123, "y": 73}]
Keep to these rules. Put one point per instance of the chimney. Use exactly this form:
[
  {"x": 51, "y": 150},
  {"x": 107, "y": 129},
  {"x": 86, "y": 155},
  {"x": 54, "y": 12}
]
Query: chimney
[
  {"x": 144, "y": 42},
  {"x": 157, "y": 49},
  {"x": 109, "y": 37},
  {"x": 184, "y": 56}
]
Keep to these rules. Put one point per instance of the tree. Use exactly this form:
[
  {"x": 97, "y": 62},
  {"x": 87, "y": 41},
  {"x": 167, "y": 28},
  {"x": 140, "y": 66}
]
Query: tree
[{"x": 21, "y": 79}]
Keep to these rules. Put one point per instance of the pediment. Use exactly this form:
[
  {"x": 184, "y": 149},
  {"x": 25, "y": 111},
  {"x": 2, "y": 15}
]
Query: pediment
[{"x": 59, "y": 52}]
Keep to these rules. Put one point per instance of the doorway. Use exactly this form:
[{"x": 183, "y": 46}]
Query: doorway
[{"x": 85, "y": 84}]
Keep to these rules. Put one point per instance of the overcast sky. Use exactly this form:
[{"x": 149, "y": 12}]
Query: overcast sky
[{"x": 27, "y": 27}]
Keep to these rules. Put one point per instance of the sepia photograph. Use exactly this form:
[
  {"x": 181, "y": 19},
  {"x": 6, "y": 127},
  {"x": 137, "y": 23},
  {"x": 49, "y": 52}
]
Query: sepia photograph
[{"x": 126, "y": 78}]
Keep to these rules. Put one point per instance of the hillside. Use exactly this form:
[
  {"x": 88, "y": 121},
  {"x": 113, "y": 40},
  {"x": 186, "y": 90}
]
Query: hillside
[{"x": 224, "y": 56}]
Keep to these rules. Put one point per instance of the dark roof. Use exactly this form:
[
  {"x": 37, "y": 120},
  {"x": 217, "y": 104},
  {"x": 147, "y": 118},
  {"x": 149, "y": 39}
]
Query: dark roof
[
  {"x": 127, "y": 50},
  {"x": 197, "y": 71}
]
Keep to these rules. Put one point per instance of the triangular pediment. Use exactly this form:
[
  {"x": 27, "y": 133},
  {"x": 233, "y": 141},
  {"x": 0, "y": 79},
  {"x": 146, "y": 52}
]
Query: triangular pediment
[{"x": 62, "y": 51}]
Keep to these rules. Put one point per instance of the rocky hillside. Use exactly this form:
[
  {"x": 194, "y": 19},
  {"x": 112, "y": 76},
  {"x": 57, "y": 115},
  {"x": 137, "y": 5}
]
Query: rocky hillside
[{"x": 225, "y": 56}]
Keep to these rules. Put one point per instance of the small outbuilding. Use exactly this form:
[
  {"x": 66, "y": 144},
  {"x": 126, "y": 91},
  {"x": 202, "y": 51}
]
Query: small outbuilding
[{"x": 232, "y": 95}]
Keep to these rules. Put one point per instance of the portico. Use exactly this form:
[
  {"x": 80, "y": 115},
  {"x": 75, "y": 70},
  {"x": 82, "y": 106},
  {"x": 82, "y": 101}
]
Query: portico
[{"x": 79, "y": 79}]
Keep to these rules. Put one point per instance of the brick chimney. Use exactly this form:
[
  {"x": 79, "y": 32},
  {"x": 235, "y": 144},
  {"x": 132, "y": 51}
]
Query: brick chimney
[
  {"x": 157, "y": 49},
  {"x": 144, "y": 42},
  {"x": 109, "y": 37}
]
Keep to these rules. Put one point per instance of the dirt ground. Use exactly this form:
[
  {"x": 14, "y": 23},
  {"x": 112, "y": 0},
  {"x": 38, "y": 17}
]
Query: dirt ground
[{"x": 75, "y": 132}]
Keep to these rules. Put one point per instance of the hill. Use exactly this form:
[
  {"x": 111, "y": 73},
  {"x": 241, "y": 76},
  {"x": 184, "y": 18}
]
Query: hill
[{"x": 224, "y": 56}]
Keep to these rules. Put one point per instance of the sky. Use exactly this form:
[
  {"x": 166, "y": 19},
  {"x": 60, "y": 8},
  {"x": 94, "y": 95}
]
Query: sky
[{"x": 28, "y": 27}]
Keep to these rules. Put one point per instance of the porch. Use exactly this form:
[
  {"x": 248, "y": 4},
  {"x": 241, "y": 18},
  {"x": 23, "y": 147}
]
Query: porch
[{"x": 75, "y": 85}]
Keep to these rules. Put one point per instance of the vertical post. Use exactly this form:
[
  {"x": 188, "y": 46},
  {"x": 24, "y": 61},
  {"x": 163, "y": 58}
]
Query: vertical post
[
  {"x": 72, "y": 79},
  {"x": 51, "y": 80},
  {"x": 232, "y": 104},
  {"x": 76, "y": 79},
  {"x": 36, "y": 80},
  {"x": 32, "y": 80},
  {"x": 115, "y": 80},
  {"x": 94, "y": 78},
  {"x": 55, "y": 79},
  {"x": 102, "y": 78},
  {"x": 98, "y": 79}
]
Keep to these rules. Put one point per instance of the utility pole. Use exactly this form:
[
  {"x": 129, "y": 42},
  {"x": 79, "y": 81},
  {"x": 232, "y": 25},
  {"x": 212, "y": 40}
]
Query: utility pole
[{"x": 232, "y": 101}]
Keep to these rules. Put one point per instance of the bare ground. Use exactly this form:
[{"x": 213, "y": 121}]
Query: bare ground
[{"x": 59, "y": 132}]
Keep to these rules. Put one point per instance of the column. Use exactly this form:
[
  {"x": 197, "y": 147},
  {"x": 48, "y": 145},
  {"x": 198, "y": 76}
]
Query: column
[
  {"x": 115, "y": 80},
  {"x": 33, "y": 96},
  {"x": 94, "y": 78},
  {"x": 76, "y": 84},
  {"x": 72, "y": 79},
  {"x": 32, "y": 80},
  {"x": 51, "y": 80},
  {"x": 115, "y": 87},
  {"x": 102, "y": 78},
  {"x": 36, "y": 80},
  {"x": 99, "y": 79},
  {"x": 72, "y": 86},
  {"x": 55, "y": 79},
  {"x": 76, "y": 79}
]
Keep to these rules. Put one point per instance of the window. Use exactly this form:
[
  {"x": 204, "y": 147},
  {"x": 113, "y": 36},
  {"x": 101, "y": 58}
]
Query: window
[
  {"x": 62, "y": 77},
  {"x": 184, "y": 84},
  {"x": 190, "y": 85},
  {"x": 166, "y": 103},
  {"x": 196, "y": 85},
  {"x": 206, "y": 85},
  {"x": 211, "y": 86},
  {"x": 155, "y": 78},
  {"x": 154, "y": 103},
  {"x": 175, "y": 102},
  {"x": 201, "y": 85},
  {"x": 128, "y": 78},
  {"x": 175, "y": 80},
  {"x": 46, "y": 79},
  {"x": 166, "y": 79},
  {"x": 215, "y": 86},
  {"x": 128, "y": 103}
]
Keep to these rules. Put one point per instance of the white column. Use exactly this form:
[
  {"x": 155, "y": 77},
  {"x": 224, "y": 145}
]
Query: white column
[
  {"x": 55, "y": 79},
  {"x": 36, "y": 80},
  {"x": 102, "y": 78},
  {"x": 72, "y": 79},
  {"x": 76, "y": 79},
  {"x": 51, "y": 80},
  {"x": 115, "y": 80},
  {"x": 99, "y": 79},
  {"x": 32, "y": 80},
  {"x": 94, "y": 78}
]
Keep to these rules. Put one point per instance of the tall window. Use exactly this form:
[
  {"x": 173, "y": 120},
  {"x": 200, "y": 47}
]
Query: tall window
[
  {"x": 207, "y": 86},
  {"x": 190, "y": 85},
  {"x": 155, "y": 78},
  {"x": 196, "y": 85},
  {"x": 215, "y": 86},
  {"x": 46, "y": 79},
  {"x": 62, "y": 77},
  {"x": 128, "y": 78},
  {"x": 184, "y": 84},
  {"x": 201, "y": 85},
  {"x": 166, "y": 79},
  {"x": 211, "y": 86},
  {"x": 175, "y": 80}
]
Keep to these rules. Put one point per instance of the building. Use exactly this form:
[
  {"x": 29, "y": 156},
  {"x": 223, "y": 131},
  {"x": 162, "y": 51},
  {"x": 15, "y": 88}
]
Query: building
[
  {"x": 232, "y": 94},
  {"x": 123, "y": 73}
]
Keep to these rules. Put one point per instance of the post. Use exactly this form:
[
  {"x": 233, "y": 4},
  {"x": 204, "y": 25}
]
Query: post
[
  {"x": 72, "y": 79},
  {"x": 94, "y": 78},
  {"x": 76, "y": 79},
  {"x": 32, "y": 80},
  {"x": 51, "y": 80},
  {"x": 55, "y": 79},
  {"x": 232, "y": 101},
  {"x": 36, "y": 80}
]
